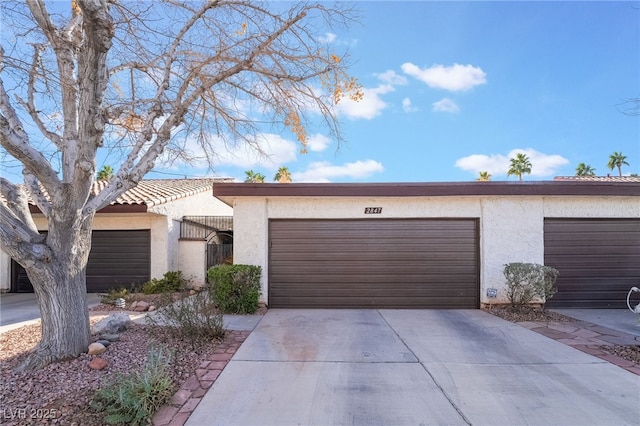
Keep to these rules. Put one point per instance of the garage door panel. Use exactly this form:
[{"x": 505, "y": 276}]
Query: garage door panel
[
  {"x": 117, "y": 259},
  {"x": 598, "y": 260},
  {"x": 364, "y": 263},
  {"x": 381, "y": 303}
]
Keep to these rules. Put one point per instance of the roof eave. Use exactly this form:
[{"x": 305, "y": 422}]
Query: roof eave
[
  {"x": 227, "y": 192},
  {"x": 113, "y": 208}
]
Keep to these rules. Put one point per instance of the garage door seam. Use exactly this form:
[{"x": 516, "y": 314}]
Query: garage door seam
[{"x": 442, "y": 391}]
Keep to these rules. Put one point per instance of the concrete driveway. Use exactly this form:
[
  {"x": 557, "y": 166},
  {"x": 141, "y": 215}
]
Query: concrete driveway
[
  {"x": 412, "y": 367},
  {"x": 19, "y": 309}
]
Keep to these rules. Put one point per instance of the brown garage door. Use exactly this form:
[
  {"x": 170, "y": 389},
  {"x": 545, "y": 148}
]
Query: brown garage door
[
  {"x": 396, "y": 263},
  {"x": 117, "y": 259},
  {"x": 598, "y": 260}
]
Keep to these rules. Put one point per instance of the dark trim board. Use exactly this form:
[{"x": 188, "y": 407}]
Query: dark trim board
[
  {"x": 228, "y": 191},
  {"x": 374, "y": 263}
]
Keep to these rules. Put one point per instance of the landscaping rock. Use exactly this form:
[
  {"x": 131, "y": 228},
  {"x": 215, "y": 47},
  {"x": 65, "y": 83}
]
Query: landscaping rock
[
  {"x": 104, "y": 342},
  {"x": 110, "y": 337},
  {"x": 98, "y": 364},
  {"x": 113, "y": 324},
  {"x": 152, "y": 308},
  {"x": 141, "y": 306},
  {"x": 96, "y": 349},
  {"x": 133, "y": 306}
]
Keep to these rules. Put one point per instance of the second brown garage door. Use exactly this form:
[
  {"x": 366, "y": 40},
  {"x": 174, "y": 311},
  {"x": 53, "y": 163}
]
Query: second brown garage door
[
  {"x": 598, "y": 261},
  {"x": 395, "y": 263}
]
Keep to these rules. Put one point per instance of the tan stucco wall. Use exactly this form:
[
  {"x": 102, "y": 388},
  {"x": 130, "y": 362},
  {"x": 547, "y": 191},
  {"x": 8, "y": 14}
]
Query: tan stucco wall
[
  {"x": 191, "y": 260},
  {"x": 163, "y": 221},
  {"x": 511, "y": 228}
]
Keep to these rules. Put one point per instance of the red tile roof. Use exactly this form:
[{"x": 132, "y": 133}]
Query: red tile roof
[
  {"x": 152, "y": 192},
  {"x": 598, "y": 178}
]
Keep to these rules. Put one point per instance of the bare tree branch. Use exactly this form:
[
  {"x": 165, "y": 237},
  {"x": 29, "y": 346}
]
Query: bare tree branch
[
  {"x": 30, "y": 105},
  {"x": 15, "y": 140}
]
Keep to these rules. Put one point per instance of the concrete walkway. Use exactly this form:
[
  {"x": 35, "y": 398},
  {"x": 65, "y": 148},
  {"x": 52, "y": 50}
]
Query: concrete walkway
[
  {"x": 396, "y": 367},
  {"x": 622, "y": 320}
]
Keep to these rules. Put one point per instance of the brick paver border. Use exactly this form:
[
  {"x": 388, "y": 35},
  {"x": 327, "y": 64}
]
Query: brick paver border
[
  {"x": 588, "y": 338},
  {"x": 186, "y": 399}
]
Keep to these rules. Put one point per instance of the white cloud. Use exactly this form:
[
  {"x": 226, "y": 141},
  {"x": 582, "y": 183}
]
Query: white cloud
[
  {"x": 318, "y": 142},
  {"x": 370, "y": 106},
  {"x": 542, "y": 165},
  {"x": 276, "y": 151},
  {"x": 391, "y": 77},
  {"x": 327, "y": 38},
  {"x": 326, "y": 172},
  {"x": 407, "y": 106},
  {"x": 445, "y": 105},
  {"x": 455, "y": 78}
]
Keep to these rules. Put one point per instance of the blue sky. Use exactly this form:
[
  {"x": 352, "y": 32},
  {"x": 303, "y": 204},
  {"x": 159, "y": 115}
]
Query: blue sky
[{"x": 452, "y": 88}]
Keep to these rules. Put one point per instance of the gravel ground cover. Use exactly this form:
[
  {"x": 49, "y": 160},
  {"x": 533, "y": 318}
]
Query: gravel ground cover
[{"x": 60, "y": 393}]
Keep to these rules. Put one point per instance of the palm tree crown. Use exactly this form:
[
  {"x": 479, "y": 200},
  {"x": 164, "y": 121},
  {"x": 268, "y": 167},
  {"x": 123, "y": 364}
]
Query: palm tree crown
[
  {"x": 105, "y": 173},
  {"x": 585, "y": 170},
  {"x": 519, "y": 166},
  {"x": 617, "y": 159},
  {"x": 253, "y": 177},
  {"x": 283, "y": 175},
  {"x": 484, "y": 176}
]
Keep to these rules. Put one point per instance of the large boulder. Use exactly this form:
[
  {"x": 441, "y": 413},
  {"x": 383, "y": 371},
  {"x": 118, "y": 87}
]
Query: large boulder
[
  {"x": 96, "y": 349},
  {"x": 112, "y": 324},
  {"x": 98, "y": 364}
]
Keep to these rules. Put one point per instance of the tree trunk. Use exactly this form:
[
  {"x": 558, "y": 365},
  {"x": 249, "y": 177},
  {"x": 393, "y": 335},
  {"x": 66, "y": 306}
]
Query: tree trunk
[{"x": 61, "y": 291}]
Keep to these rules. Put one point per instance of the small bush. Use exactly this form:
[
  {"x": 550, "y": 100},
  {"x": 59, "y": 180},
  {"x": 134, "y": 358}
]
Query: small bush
[
  {"x": 132, "y": 399},
  {"x": 172, "y": 281},
  {"x": 528, "y": 281},
  {"x": 235, "y": 289},
  {"x": 194, "y": 318},
  {"x": 113, "y": 294}
]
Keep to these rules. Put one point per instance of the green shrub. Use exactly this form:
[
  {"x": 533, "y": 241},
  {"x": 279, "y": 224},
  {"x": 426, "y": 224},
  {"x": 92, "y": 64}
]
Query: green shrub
[
  {"x": 528, "y": 281},
  {"x": 113, "y": 294},
  {"x": 132, "y": 399},
  {"x": 194, "y": 318},
  {"x": 235, "y": 289},
  {"x": 172, "y": 281}
]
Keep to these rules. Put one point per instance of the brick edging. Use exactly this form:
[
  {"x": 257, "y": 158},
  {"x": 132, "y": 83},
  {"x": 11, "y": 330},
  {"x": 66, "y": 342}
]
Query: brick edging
[{"x": 186, "y": 399}]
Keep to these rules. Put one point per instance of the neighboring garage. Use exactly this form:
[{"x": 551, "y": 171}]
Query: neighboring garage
[
  {"x": 390, "y": 263},
  {"x": 140, "y": 235},
  {"x": 598, "y": 260},
  {"x": 117, "y": 259}
]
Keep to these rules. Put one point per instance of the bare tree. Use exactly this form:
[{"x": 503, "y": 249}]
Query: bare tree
[{"x": 159, "y": 80}]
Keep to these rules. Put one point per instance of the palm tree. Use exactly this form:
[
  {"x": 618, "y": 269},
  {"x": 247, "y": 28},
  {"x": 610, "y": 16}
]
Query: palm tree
[
  {"x": 105, "y": 173},
  {"x": 484, "y": 176},
  {"x": 519, "y": 166},
  {"x": 254, "y": 177},
  {"x": 617, "y": 160},
  {"x": 585, "y": 170},
  {"x": 283, "y": 175}
]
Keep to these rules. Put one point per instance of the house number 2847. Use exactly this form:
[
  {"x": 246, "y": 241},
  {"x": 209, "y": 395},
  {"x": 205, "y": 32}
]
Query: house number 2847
[{"x": 372, "y": 210}]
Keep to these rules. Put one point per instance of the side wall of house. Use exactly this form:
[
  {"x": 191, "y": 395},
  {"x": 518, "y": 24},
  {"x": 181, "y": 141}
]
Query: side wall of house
[
  {"x": 188, "y": 256},
  {"x": 511, "y": 228}
]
